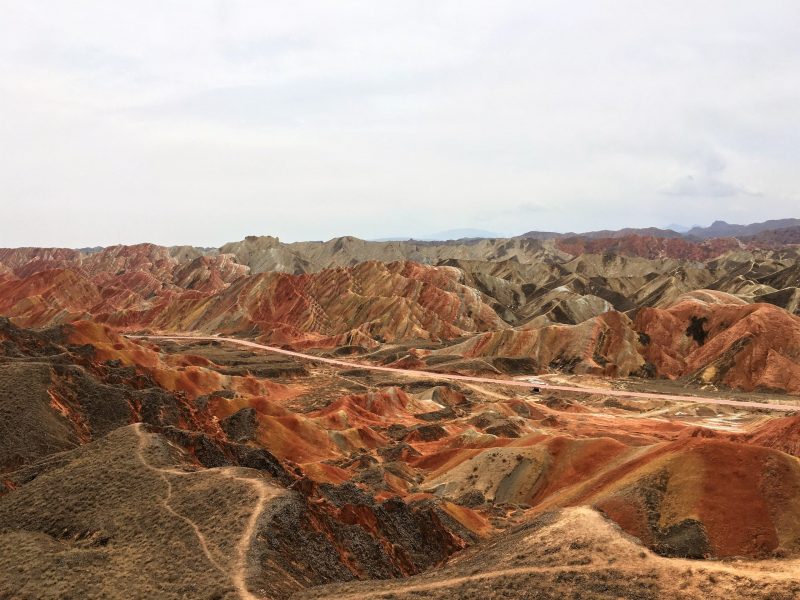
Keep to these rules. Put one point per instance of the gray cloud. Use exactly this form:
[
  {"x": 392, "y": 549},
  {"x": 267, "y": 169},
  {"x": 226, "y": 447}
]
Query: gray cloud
[
  {"x": 148, "y": 121},
  {"x": 704, "y": 186},
  {"x": 708, "y": 183}
]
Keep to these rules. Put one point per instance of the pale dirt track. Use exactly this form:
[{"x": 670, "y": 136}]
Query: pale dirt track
[
  {"x": 583, "y": 523},
  {"x": 237, "y": 570},
  {"x": 475, "y": 379},
  {"x": 393, "y": 587}
]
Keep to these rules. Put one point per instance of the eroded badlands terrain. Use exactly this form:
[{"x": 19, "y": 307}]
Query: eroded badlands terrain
[{"x": 143, "y": 467}]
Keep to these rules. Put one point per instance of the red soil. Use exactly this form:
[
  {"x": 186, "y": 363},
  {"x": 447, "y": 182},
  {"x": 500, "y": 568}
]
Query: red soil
[
  {"x": 745, "y": 346},
  {"x": 648, "y": 247}
]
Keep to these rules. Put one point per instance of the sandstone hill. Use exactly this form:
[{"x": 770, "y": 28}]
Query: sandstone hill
[
  {"x": 716, "y": 312},
  {"x": 179, "y": 470}
]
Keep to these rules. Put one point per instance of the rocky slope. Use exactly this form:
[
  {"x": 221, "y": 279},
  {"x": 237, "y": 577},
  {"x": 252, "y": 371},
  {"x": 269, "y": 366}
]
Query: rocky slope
[
  {"x": 611, "y": 312},
  {"x": 130, "y": 468},
  {"x": 574, "y": 553},
  {"x": 714, "y": 338},
  {"x": 177, "y": 504}
]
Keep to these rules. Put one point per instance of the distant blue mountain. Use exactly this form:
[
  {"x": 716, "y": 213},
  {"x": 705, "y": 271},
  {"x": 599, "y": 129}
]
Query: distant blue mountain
[
  {"x": 457, "y": 234},
  {"x": 680, "y": 228},
  {"x": 449, "y": 234}
]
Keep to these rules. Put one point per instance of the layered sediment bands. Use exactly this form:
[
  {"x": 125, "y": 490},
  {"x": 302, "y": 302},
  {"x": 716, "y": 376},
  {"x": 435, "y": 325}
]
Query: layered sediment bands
[
  {"x": 124, "y": 456},
  {"x": 6, "y": 273},
  {"x": 262, "y": 254},
  {"x": 781, "y": 434},
  {"x": 788, "y": 299},
  {"x": 209, "y": 273},
  {"x": 48, "y": 297},
  {"x": 16, "y": 258},
  {"x": 692, "y": 498},
  {"x": 58, "y": 391},
  {"x": 190, "y": 377},
  {"x": 708, "y": 498},
  {"x": 603, "y": 345},
  {"x": 336, "y": 307},
  {"x": 705, "y": 335},
  {"x": 788, "y": 277},
  {"x": 184, "y": 479},
  {"x": 648, "y": 247},
  {"x": 151, "y": 258},
  {"x": 512, "y": 297},
  {"x": 266, "y": 253},
  {"x": 371, "y": 301},
  {"x": 566, "y": 554},
  {"x": 322, "y": 533},
  {"x": 186, "y": 468},
  {"x": 715, "y": 340},
  {"x": 345, "y": 251},
  {"x": 138, "y": 512}
]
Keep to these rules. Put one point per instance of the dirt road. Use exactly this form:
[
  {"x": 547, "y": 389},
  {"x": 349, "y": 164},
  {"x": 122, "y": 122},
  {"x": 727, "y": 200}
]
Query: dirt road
[{"x": 475, "y": 379}]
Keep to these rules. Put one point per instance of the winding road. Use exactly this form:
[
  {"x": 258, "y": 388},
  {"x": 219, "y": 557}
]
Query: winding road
[{"x": 476, "y": 379}]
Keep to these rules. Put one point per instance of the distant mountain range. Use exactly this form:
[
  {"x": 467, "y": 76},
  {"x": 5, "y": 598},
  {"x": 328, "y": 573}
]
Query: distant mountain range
[
  {"x": 449, "y": 234},
  {"x": 718, "y": 229},
  {"x": 723, "y": 229},
  {"x": 680, "y": 228}
]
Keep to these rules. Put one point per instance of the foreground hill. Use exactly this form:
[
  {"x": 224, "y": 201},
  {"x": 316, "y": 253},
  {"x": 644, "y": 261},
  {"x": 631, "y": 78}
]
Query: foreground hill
[
  {"x": 173, "y": 505},
  {"x": 574, "y": 553},
  {"x": 134, "y": 469}
]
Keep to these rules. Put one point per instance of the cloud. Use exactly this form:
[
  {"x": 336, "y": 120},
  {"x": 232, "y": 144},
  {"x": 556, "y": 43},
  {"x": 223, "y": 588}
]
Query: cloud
[
  {"x": 147, "y": 121},
  {"x": 705, "y": 186},
  {"x": 708, "y": 183}
]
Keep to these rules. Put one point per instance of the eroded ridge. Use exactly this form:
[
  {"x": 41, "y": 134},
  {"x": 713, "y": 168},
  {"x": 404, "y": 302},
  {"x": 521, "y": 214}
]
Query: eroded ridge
[{"x": 237, "y": 569}]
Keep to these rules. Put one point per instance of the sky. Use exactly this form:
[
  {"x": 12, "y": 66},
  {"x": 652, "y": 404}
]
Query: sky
[{"x": 201, "y": 122}]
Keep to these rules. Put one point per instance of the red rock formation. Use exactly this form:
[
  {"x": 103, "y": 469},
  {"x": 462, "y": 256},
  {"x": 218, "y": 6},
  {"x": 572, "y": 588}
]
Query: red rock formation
[
  {"x": 48, "y": 297},
  {"x": 604, "y": 345},
  {"x": 148, "y": 287},
  {"x": 142, "y": 287},
  {"x": 155, "y": 260},
  {"x": 209, "y": 273},
  {"x": 745, "y": 346},
  {"x": 6, "y": 274},
  {"x": 779, "y": 433},
  {"x": 648, "y": 247},
  {"x": 681, "y": 489},
  {"x": 338, "y": 307},
  {"x": 15, "y": 258},
  {"x": 707, "y": 497}
]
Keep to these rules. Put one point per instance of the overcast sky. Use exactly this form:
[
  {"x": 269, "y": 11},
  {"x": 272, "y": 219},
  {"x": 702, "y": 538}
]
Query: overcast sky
[{"x": 202, "y": 122}]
